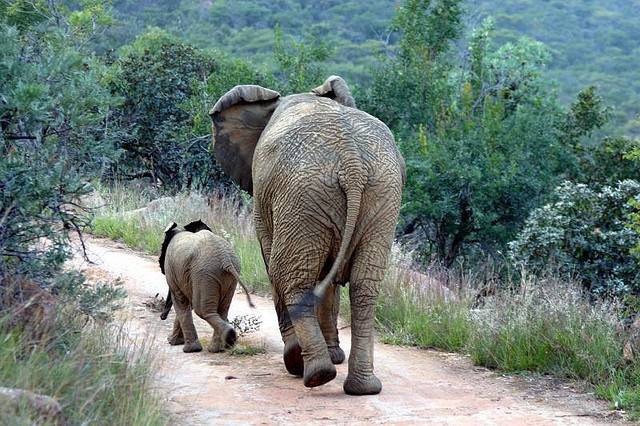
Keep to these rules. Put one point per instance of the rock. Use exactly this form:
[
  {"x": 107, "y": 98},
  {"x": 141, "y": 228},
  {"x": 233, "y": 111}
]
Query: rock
[
  {"x": 427, "y": 286},
  {"x": 47, "y": 408},
  {"x": 93, "y": 200},
  {"x": 154, "y": 206}
]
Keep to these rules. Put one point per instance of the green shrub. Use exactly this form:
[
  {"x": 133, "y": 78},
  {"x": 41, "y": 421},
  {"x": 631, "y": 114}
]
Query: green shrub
[
  {"x": 584, "y": 233},
  {"x": 53, "y": 140}
]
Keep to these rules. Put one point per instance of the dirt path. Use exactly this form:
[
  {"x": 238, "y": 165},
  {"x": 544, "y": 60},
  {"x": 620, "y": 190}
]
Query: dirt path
[{"x": 419, "y": 387}]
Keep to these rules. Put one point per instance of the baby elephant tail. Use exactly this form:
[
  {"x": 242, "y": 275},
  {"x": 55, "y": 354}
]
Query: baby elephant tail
[
  {"x": 235, "y": 274},
  {"x": 167, "y": 306}
]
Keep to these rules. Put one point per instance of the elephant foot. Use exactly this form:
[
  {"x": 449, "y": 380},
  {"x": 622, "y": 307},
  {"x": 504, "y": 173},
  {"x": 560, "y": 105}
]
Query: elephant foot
[
  {"x": 229, "y": 337},
  {"x": 337, "y": 354},
  {"x": 318, "y": 371},
  {"x": 192, "y": 347},
  {"x": 293, "y": 358},
  {"x": 370, "y": 385},
  {"x": 175, "y": 340}
]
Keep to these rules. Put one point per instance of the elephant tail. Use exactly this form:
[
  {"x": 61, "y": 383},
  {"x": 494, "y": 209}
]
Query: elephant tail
[
  {"x": 353, "y": 190},
  {"x": 232, "y": 270},
  {"x": 167, "y": 306}
]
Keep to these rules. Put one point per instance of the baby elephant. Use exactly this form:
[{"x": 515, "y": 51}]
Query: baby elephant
[{"x": 202, "y": 271}]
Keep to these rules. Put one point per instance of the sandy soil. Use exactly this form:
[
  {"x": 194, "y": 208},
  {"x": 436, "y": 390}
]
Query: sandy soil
[{"x": 419, "y": 386}]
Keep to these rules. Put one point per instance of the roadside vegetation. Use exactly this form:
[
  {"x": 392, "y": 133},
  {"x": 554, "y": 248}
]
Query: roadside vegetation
[{"x": 93, "y": 370}]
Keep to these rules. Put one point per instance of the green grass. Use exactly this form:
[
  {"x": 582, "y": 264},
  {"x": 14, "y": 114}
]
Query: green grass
[
  {"x": 247, "y": 349},
  {"x": 95, "y": 373},
  {"x": 438, "y": 325},
  {"x": 546, "y": 326},
  {"x": 129, "y": 231}
]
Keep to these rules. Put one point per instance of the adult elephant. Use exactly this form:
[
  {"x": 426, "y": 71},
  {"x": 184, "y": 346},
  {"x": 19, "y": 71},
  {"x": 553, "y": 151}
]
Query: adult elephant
[{"x": 326, "y": 180}]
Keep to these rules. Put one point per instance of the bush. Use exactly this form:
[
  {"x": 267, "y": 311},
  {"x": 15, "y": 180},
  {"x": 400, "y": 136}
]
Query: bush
[
  {"x": 53, "y": 138},
  {"x": 584, "y": 233}
]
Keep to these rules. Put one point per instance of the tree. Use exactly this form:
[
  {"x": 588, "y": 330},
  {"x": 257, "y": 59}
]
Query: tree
[
  {"x": 55, "y": 136},
  {"x": 299, "y": 65},
  {"x": 156, "y": 76},
  {"x": 477, "y": 131}
]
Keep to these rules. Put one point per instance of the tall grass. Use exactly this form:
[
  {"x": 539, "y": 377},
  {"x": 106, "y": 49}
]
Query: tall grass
[
  {"x": 541, "y": 324},
  {"x": 129, "y": 217},
  {"x": 96, "y": 374}
]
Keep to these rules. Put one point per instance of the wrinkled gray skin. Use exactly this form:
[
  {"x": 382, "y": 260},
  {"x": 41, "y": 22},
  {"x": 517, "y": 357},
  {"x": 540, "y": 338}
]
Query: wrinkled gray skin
[
  {"x": 202, "y": 270},
  {"x": 327, "y": 181}
]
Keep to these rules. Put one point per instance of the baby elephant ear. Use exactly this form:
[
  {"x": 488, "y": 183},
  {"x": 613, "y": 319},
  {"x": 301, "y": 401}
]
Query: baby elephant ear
[
  {"x": 169, "y": 232},
  {"x": 336, "y": 88},
  {"x": 196, "y": 226}
]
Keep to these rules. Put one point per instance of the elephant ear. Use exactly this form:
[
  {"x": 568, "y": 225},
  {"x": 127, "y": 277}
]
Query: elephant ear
[
  {"x": 196, "y": 226},
  {"x": 336, "y": 88},
  {"x": 238, "y": 119},
  {"x": 169, "y": 233}
]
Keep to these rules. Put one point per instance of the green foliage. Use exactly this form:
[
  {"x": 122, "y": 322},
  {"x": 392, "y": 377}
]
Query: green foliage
[
  {"x": 608, "y": 162},
  {"x": 583, "y": 233},
  {"x": 359, "y": 32},
  {"x": 168, "y": 87},
  {"x": 355, "y": 31},
  {"x": 157, "y": 76},
  {"x": 97, "y": 301},
  {"x": 427, "y": 29},
  {"x": 87, "y": 369},
  {"x": 593, "y": 44},
  {"x": 53, "y": 138},
  {"x": 478, "y": 137},
  {"x": 298, "y": 63}
]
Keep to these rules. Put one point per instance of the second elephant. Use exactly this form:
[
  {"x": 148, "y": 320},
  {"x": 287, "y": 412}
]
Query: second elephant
[
  {"x": 326, "y": 180},
  {"x": 202, "y": 270}
]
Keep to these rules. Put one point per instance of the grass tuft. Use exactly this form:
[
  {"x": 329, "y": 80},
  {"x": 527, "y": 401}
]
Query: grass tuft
[{"x": 87, "y": 369}]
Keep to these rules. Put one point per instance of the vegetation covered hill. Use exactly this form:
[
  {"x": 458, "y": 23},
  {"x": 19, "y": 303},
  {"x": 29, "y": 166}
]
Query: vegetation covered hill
[{"x": 592, "y": 42}]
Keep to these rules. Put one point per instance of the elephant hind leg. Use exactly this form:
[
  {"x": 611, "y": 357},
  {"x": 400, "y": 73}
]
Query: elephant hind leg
[
  {"x": 207, "y": 294},
  {"x": 367, "y": 272},
  {"x": 327, "y": 312},
  {"x": 185, "y": 319}
]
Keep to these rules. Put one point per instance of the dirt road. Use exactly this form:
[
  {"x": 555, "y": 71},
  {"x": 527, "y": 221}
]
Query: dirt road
[{"x": 419, "y": 387}]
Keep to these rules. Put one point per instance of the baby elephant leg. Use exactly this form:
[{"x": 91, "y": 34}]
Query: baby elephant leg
[
  {"x": 218, "y": 341},
  {"x": 206, "y": 303},
  {"x": 183, "y": 313}
]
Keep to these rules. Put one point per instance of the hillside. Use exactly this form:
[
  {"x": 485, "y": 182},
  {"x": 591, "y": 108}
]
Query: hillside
[{"x": 592, "y": 43}]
